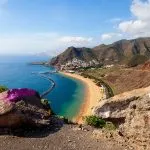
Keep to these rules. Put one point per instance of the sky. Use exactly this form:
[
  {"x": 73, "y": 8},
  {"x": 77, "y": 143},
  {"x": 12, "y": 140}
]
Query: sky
[{"x": 50, "y": 26}]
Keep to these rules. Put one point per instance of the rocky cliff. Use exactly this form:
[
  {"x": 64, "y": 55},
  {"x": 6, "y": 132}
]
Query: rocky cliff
[{"x": 130, "y": 111}]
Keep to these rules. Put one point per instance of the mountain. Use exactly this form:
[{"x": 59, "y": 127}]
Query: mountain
[
  {"x": 76, "y": 57},
  {"x": 123, "y": 51},
  {"x": 120, "y": 52}
]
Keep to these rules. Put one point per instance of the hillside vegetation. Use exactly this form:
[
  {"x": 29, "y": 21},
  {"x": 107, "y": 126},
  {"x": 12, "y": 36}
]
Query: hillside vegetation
[{"x": 121, "y": 79}]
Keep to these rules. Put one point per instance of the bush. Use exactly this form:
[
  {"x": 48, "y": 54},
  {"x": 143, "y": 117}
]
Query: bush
[
  {"x": 95, "y": 121},
  {"x": 137, "y": 60},
  {"x": 66, "y": 120},
  {"x": 46, "y": 105},
  {"x": 3, "y": 88},
  {"x": 110, "y": 126},
  {"x": 45, "y": 102}
]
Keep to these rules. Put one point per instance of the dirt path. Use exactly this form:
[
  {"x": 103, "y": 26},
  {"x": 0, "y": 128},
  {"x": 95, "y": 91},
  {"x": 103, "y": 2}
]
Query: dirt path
[
  {"x": 65, "y": 139},
  {"x": 138, "y": 70}
]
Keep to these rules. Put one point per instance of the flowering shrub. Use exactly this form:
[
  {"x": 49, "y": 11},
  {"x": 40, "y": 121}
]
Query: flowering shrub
[{"x": 15, "y": 95}]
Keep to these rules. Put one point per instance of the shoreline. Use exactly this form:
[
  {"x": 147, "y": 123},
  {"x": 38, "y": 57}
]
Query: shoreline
[{"x": 92, "y": 96}]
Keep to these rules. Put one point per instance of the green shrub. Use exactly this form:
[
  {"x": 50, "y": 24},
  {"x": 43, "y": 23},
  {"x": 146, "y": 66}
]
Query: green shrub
[
  {"x": 45, "y": 102},
  {"x": 47, "y": 106},
  {"x": 66, "y": 120},
  {"x": 110, "y": 126},
  {"x": 137, "y": 60},
  {"x": 95, "y": 121},
  {"x": 3, "y": 88}
]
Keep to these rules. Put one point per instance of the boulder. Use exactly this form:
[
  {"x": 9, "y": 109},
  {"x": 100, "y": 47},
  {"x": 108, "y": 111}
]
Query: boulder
[
  {"x": 130, "y": 111},
  {"x": 22, "y": 106}
]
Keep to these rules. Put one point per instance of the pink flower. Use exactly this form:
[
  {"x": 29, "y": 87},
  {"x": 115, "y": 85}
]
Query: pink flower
[{"x": 15, "y": 95}]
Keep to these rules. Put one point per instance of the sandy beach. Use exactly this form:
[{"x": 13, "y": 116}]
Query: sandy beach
[{"x": 93, "y": 94}]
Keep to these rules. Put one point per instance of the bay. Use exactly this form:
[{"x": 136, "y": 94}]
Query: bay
[{"x": 65, "y": 99}]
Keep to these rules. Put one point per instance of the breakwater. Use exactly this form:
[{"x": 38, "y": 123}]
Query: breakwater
[{"x": 53, "y": 84}]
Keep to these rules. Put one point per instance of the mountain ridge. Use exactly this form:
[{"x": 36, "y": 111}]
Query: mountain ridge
[{"x": 119, "y": 52}]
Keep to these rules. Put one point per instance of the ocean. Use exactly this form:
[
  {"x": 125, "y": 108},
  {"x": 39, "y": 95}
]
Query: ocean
[{"x": 65, "y": 99}]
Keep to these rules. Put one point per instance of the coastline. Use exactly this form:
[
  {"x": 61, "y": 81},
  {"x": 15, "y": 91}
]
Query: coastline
[{"x": 92, "y": 96}]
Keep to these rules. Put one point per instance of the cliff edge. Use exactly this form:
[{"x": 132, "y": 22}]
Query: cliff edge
[{"x": 130, "y": 111}]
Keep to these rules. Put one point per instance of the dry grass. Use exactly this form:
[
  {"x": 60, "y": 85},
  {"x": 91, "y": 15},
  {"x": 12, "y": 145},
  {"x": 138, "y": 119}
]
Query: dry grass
[{"x": 122, "y": 79}]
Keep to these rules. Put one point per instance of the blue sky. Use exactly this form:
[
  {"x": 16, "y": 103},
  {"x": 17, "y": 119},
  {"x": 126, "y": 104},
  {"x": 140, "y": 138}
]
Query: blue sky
[
  {"x": 64, "y": 16},
  {"x": 50, "y": 26}
]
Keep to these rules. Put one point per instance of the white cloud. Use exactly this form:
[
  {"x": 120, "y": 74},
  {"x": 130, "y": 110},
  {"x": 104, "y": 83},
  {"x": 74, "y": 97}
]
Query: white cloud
[
  {"x": 133, "y": 26},
  {"x": 39, "y": 42},
  {"x": 106, "y": 37},
  {"x": 140, "y": 25},
  {"x": 141, "y": 9},
  {"x": 110, "y": 36},
  {"x": 73, "y": 39}
]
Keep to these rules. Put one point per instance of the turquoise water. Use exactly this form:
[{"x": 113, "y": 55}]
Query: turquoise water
[{"x": 67, "y": 96}]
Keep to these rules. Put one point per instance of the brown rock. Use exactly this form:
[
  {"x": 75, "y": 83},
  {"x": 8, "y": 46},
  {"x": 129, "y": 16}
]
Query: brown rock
[
  {"x": 130, "y": 111},
  {"x": 29, "y": 111}
]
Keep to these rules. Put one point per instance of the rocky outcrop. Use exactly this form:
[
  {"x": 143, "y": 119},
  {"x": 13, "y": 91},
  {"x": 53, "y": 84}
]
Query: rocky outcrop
[
  {"x": 145, "y": 66},
  {"x": 130, "y": 111},
  {"x": 22, "y": 106}
]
